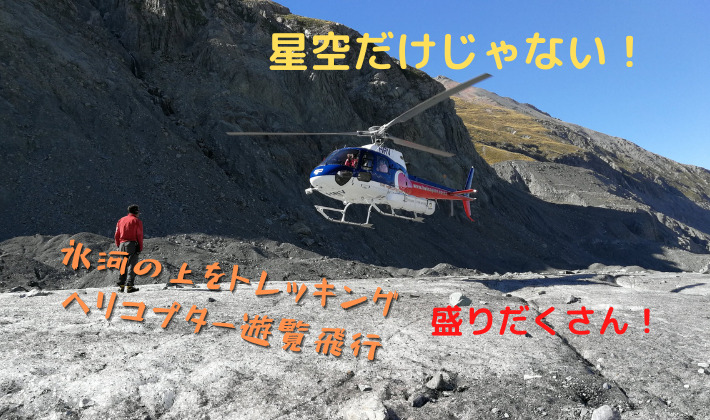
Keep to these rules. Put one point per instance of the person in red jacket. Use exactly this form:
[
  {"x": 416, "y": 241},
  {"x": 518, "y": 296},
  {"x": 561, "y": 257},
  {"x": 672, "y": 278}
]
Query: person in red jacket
[{"x": 129, "y": 239}]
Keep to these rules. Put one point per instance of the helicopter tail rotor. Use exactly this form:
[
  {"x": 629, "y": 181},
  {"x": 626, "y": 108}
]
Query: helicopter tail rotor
[{"x": 465, "y": 195}]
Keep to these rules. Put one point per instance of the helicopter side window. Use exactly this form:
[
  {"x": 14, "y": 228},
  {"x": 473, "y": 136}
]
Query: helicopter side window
[
  {"x": 367, "y": 161},
  {"x": 382, "y": 165},
  {"x": 351, "y": 160},
  {"x": 342, "y": 157}
]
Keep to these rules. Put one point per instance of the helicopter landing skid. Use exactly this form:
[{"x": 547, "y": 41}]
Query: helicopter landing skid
[
  {"x": 322, "y": 210},
  {"x": 393, "y": 214}
]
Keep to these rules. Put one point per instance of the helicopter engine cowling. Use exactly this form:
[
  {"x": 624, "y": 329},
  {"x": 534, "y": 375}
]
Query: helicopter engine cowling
[{"x": 414, "y": 204}]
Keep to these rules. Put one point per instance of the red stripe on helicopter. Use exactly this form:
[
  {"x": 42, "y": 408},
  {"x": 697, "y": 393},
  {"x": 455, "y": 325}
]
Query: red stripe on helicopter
[{"x": 420, "y": 189}]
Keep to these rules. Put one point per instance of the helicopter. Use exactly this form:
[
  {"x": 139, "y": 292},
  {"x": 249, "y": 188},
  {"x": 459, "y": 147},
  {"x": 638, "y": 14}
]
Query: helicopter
[{"x": 376, "y": 175}]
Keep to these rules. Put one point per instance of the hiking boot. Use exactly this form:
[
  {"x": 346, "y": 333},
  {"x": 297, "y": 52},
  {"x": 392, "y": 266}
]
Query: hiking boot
[
  {"x": 120, "y": 288},
  {"x": 131, "y": 289}
]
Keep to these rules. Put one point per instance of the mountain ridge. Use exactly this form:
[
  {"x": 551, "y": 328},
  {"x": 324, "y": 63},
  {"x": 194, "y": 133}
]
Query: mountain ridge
[{"x": 630, "y": 166}]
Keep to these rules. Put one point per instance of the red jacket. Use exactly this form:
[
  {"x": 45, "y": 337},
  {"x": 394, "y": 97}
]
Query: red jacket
[{"x": 129, "y": 228}]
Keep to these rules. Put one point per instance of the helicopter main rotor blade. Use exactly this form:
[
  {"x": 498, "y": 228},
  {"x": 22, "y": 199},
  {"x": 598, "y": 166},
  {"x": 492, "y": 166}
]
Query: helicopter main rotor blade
[
  {"x": 260, "y": 133},
  {"x": 412, "y": 145},
  {"x": 434, "y": 100}
]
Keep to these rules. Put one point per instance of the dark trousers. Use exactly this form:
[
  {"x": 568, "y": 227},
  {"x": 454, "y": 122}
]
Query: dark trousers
[{"x": 132, "y": 249}]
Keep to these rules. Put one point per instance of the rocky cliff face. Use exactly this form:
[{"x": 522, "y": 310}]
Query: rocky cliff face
[
  {"x": 106, "y": 103},
  {"x": 564, "y": 163}
]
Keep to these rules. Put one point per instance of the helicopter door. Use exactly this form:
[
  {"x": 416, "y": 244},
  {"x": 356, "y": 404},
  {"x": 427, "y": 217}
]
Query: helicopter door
[
  {"x": 366, "y": 162},
  {"x": 380, "y": 171}
]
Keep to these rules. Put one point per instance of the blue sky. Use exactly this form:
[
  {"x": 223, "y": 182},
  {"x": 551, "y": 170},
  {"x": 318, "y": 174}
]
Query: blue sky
[{"x": 661, "y": 103}]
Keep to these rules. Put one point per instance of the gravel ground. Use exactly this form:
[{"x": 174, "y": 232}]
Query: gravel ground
[{"x": 60, "y": 363}]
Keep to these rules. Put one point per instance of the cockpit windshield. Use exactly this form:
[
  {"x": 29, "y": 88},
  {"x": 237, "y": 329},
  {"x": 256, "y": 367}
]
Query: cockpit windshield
[{"x": 347, "y": 157}]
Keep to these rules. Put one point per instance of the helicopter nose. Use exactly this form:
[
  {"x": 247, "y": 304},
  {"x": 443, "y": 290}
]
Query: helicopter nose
[{"x": 323, "y": 182}]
